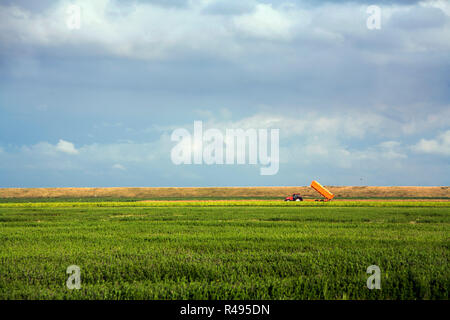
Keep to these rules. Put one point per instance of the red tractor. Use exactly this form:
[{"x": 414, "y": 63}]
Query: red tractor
[
  {"x": 316, "y": 186},
  {"x": 294, "y": 197}
]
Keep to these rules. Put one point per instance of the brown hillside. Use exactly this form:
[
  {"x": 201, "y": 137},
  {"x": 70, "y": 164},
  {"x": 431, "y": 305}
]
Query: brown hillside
[{"x": 226, "y": 192}]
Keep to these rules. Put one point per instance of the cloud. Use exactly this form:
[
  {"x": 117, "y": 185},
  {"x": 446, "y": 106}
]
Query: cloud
[
  {"x": 333, "y": 140},
  {"x": 345, "y": 98},
  {"x": 66, "y": 147},
  {"x": 229, "y": 7},
  {"x": 419, "y": 17},
  {"x": 304, "y": 153},
  {"x": 147, "y": 30},
  {"x": 118, "y": 166},
  {"x": 265, "y": 23},
  {"x": 439, "y": 146},
  {"x": 313, "y": 124},
  {"x": 391, "y": 150},
  {"x": 444, "y": 5},
  {"x": 334, "y": 154},
  {"x": 90, "y": 155},
  {"x": 91, "y": 160}
]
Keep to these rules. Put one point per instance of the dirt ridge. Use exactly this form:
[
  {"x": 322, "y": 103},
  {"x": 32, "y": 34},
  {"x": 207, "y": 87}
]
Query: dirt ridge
[{"x": 257, "y": 192}]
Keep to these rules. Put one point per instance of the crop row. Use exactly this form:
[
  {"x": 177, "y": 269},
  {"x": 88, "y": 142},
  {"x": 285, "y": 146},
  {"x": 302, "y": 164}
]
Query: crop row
[{"x": 228, "y": 203}]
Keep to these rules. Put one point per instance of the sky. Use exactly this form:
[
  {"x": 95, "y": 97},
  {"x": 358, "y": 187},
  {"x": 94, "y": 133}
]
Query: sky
[{"x": 96, "y": 106}]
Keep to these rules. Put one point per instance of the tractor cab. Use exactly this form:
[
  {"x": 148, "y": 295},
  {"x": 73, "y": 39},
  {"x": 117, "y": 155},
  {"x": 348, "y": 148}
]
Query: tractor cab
[{"x": 294, "y": 197}]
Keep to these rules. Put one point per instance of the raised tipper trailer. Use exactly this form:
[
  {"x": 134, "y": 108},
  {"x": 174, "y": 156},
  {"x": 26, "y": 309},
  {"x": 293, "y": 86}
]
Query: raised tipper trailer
[{"x": 322, "y": 190}]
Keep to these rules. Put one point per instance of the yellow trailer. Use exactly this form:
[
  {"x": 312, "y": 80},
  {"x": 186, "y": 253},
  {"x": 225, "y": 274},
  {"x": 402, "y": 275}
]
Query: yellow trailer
[{"x": 322, "y": 190}]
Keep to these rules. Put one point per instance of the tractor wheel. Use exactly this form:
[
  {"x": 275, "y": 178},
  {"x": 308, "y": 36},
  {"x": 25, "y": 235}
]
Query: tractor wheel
[{"x": 298, "y": 199}]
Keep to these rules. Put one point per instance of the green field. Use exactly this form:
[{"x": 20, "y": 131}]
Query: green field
[{"x": 225, "y": 249}]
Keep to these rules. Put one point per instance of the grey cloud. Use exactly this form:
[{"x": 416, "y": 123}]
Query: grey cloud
[
  {"x": 419, "y": 18},
  {"x": 351, "y": 99},
  {"x": 164, "y": 3},
  {"x": 230, "y": 7},
  {"x": 34, "y": 6},
  {"x": 360, "y": 2}
]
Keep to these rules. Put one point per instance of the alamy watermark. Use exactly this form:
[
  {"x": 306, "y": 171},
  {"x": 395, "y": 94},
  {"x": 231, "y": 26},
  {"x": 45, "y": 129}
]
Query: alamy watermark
[
  {"x": 374, "y": 281},
  {"x": 236, "y": 146},
  {"x": 73, "y": 21},
  {"x": 74, "y": 280},
  {"x": 374, "y": 20}
]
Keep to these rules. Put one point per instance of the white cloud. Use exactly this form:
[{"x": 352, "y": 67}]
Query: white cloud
[
  {"x": 355, "y": 125},
  {"x": 141, "y": 31},
  {"x": 312, "y": 138},
  {"x": 118, "y": 166},
  {"x": 266, "y": 23},
  {"x": 334, "y": 154},
  {"x": 149, "y": 31},
  {"x": 440, "y": 145},
  {"x": 66, "y": 147},
  {"x": 90, "y": 157},
  {"x": 444, "y": 5},
  {"x": 307, "y": 150},
  {"x": 391, "y": 150}
]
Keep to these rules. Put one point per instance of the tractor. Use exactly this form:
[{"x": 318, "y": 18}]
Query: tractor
[
  {"x": 294, "y": 197},
  {"x": 316, "y": 186}
]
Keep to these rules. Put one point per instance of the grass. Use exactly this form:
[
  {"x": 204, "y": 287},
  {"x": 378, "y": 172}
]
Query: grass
[
  {"x": 206, "y": 198},
  {"x": 224, "y": 203},
  {"x": 224, "y": 249}
]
